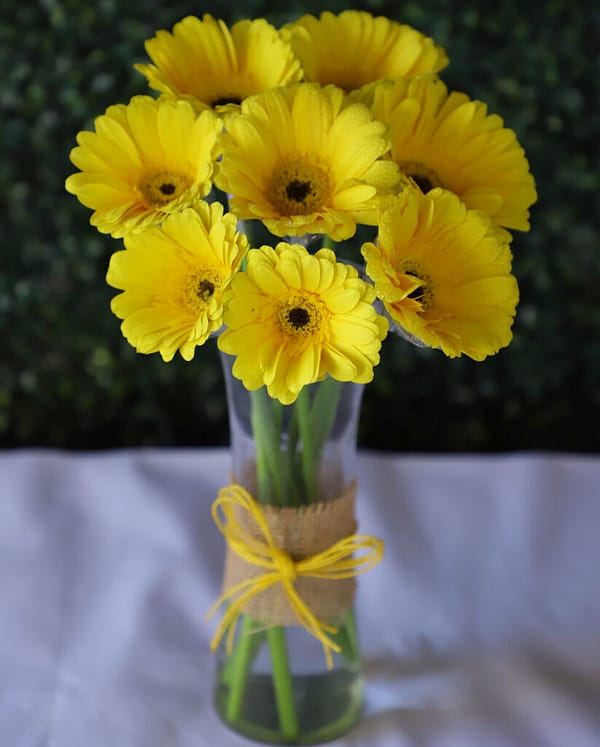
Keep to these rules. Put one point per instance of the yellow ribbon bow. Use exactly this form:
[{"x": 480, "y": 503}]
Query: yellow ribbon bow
[{"x": 336, "y": 562}]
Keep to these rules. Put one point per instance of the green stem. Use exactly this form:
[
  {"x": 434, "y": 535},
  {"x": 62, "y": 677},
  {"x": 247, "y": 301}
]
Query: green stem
[
  {"x": 328, "y": 242},
  {"x": 282, "y": 682},
  {"x": 257, "y": 638},
  {"x": 308, "y": 455},
  {"x": 324, "y": 409},
  {"x": 237, "y": 669},
  {"x": 269, "y": 475},
  {"x": 267, "y": 417},
  {"x": 295, "y": 493},
  {"x": 347, "y": 638},
  {"x": 266, "y": 425}
]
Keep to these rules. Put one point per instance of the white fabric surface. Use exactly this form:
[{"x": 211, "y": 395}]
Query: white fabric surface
[{"x": 481, "y": 627}]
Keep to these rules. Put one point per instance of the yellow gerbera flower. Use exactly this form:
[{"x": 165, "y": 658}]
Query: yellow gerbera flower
[
  {"x": 444, "y": 274},
  {"x": 302, "y": 162},
  {"x": 293, "y": 317},
  {"x": 173, "y": 278},
  {"x": 212, "y": 66},
  {"x": 145, "y": 160},
  {"x": 446, "y": 140},
  {"x": 355, "y": 48}
]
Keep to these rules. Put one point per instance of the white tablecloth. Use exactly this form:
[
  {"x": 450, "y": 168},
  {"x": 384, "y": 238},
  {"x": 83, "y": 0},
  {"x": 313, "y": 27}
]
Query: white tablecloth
[{"x": 481, "y": 627}]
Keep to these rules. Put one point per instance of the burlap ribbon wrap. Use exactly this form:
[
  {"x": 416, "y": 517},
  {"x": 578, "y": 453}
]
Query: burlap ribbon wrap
[{"x": 301, "y": 532}]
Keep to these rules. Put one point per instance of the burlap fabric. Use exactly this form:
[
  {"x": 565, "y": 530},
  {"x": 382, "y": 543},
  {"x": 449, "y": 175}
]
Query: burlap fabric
[{"x": 301, "y": 532}]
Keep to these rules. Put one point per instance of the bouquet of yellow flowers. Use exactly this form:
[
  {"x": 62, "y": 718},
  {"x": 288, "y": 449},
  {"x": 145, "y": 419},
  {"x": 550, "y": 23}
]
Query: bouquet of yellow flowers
[{"x": 232, "y": 189}]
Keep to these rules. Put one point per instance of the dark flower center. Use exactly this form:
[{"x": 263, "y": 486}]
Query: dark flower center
[
  {"x": 417, "y": 293},
  {"x": 205, "y": 289},
  {"x": 298, "y": 317},
  {"x": 224, "y": 100},
  {"x": 422, "y": 182},
  {"x": 298, "y": 191},
  {"x": 298, "y": 187},
  {"x": 159, "y": 188},
  {"x": 423, "y": 294},
  {"x": 425, "y": 178}
]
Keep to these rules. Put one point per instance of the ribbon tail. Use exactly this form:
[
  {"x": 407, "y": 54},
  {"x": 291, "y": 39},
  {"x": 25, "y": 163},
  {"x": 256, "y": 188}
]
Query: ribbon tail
[
  {"x": 249, "y": 587},
  {"x": 312, "y": 624}
]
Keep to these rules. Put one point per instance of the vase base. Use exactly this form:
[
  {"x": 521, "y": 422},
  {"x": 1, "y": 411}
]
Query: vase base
[{"x": 328, "y": 705}]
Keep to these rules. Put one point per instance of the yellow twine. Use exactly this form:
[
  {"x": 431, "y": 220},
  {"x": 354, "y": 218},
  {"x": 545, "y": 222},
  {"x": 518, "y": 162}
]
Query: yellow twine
[{"x": 336, "y": 562}]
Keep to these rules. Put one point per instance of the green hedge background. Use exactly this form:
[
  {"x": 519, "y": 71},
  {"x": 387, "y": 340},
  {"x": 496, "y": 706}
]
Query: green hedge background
[{"x": 68, "y": 380}]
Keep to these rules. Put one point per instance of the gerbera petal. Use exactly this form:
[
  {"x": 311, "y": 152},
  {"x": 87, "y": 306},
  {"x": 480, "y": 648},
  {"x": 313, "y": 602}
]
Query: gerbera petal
[
  {"x": 348, "y": 327},
  {"x": 354, "y": 48},
  {"x": 338, "y": 365},
  {"x": 354, "y": 197},
  {"x": 210, "y": 65},
  {"x": 303, "y": 369},
  {"x": 173, "y": 280},
  {"x": 343, "y": 300},
  {"x": 110, "y": 137},
  {"x": 145, "y": 161},
  {"x": 311, "y": 317},
  {"x": 445, "y": 276},
  {"x": 267, "y": 278},
  {"x": 443, "y": 139},
  {"x": 299, "y": 161}
]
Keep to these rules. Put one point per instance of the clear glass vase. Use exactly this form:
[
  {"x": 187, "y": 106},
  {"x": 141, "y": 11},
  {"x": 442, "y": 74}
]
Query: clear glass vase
[{"x": 274, "y": 684}]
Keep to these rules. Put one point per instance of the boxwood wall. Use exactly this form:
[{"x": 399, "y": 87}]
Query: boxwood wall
[{"x": 67, "y": 379}]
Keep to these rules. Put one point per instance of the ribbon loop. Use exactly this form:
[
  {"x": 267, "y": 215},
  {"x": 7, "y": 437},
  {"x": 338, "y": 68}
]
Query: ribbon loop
[{"x": 339, "y": 561}]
